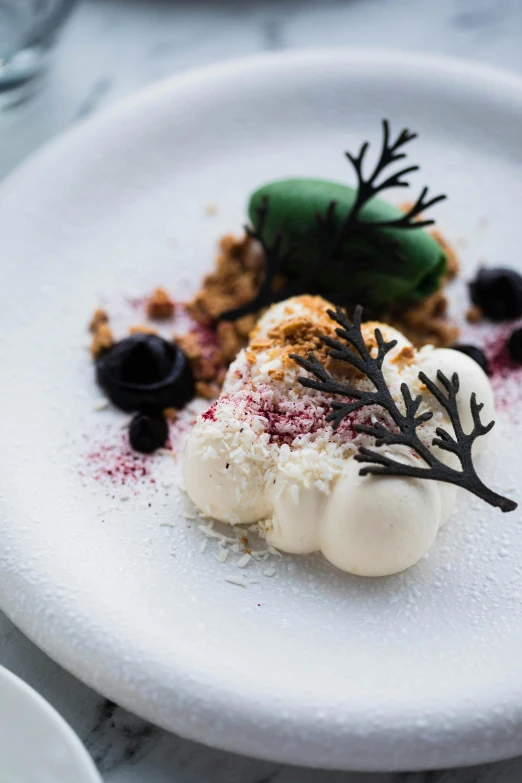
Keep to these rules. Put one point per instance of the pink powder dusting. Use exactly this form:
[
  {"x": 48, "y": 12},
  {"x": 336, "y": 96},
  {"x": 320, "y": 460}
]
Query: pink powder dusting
[
  {"x": 137, "y": 302},
  {"x": 207, "y": 335},
  {"x": 505, "y": 374},
  {"x": 114, "y": 462},
  {"x": 210, "y": 414},
  {"x": 118, "y": 464},
  {"x": 286, "y": 419}
]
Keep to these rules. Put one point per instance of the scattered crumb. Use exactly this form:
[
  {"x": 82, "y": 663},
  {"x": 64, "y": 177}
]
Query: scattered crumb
[
  {"x": 474, "y": 315},
  {"x": 207, "y": 361},
  {"x": 99, "y": 317},
  {"x": 211, "y": 210},
  {"x": 235, "y": 280},
  {"x": 142, "y": 329},
  {"x": 160, "y": 306},
  {"x": 405, "y": 357},
  {"x": 269, "y": 572},
  {"x": 100, "y": 405},
  {"x": 102, "y": 340},
  {"x": 425, "y": 322},
  {"x": 170, "y": 413}
]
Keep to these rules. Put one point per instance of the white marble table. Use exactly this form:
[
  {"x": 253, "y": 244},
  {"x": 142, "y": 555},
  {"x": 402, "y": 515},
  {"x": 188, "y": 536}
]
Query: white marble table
[{"x": 110, "y": 48}]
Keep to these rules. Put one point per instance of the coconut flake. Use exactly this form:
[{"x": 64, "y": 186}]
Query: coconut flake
[
  {"x": 244, "y": 561},
  {"x": 240, "y": 581},
  {"x": 221, "y": 555}
]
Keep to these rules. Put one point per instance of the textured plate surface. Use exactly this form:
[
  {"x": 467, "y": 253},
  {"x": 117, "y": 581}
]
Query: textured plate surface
[
  {"x": 35, "y": 742},
  {"x": 311, "y": 666}
]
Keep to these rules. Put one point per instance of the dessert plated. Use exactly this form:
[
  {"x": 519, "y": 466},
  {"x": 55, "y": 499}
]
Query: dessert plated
[
  {"x": 283, "y": 450},
  {"x": 265, "y": 450},
  {"x": 200, "y": 625}
]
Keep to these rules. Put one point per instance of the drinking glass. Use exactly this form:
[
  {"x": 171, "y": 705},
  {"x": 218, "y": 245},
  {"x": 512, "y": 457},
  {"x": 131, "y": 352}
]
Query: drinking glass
[{"x": 28, "y": 30}]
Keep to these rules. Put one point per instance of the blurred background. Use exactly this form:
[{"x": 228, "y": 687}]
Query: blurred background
[
  {"x": 110, "y": 48},
  {"x": 61, "y": 62}
]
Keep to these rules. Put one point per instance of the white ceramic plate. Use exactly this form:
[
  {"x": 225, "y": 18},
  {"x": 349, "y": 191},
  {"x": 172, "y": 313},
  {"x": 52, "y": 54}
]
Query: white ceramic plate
[
  {"x": 311, "y": 666},
  {"x": 36, "y": 744}
]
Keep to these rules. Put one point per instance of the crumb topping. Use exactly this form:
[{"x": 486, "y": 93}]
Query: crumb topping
[
  {"x": 142, "y": 329},
  {"x": 206, "y": 358},
  {"x": 99, "y": 318},
  {"x": 212, "y": 345},
  {"x": 426, "y": 322},
  {"x": 474, "y": 315},
  {"x": 405, "y": 357},
  {"x": 102, "y": 339},
  {"x": 238, "y": 273},
  {"x": 159, "y": 305}
]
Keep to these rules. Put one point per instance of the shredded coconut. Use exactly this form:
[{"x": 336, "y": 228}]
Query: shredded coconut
[{"x": 244, "y": 561}]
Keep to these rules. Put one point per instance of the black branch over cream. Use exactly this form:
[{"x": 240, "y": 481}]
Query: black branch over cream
[
  {"x": 331, "y": 235},
  {"x": 352, "y": 349}
]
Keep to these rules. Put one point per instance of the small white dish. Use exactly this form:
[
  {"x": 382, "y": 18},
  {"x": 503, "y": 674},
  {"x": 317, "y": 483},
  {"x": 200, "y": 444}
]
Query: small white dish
[
  {"x": 309, "y": 666},
  {"x": 36, "y": 744}
]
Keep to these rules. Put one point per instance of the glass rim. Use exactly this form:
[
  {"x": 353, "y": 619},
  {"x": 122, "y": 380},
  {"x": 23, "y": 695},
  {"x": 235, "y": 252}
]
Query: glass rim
[{"x": 49, "y": 24}]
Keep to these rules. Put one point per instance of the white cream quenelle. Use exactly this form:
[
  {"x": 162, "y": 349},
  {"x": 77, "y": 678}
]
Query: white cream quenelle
[{"x": 264, "y": 451}]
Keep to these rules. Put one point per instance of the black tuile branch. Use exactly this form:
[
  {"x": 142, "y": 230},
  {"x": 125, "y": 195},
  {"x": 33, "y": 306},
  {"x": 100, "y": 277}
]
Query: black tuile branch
[
  {"x": 329, "y": 236},
  {"x": 355, "y": 353}
]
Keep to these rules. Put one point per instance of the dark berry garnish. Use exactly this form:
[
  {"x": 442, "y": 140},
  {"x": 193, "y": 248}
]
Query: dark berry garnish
[
  {"x": 144, "y": 372},
  {"x": 148, "y": 432},
  {"x": 515, "y": 346},
  {"x": 498, "y": 293},
  {"x": 474, "y": 353}
]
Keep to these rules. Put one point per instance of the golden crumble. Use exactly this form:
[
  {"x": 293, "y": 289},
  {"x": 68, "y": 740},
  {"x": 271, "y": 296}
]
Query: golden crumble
[
  {"x": 99, "y": 317},
  {"x": 159, "y": 306},
  {"x": 142, "y": 329},
  {"x": 102, "y": 340}
]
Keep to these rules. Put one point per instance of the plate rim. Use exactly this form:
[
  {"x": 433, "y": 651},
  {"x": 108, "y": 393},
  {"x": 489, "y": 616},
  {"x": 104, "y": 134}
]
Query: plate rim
[
  {"x": 451, "y": 65},
  {"x": 54, "y": 719},
  {"x": 490, "y": 78}
]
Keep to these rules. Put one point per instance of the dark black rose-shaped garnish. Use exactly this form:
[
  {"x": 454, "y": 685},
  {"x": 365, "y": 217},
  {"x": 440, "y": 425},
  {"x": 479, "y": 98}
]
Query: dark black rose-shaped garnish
[
  {"x": 474, "y": 353},
  {"x": 498, "y": 293},
  {"x": 146, "y": 373}
]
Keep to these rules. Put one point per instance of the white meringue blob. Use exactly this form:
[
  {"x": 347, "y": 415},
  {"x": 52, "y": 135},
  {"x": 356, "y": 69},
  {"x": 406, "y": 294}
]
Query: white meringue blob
[{"x": 264, "y": 451}]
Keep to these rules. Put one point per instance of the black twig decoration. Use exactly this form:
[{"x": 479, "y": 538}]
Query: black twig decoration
[
  {"x": 354, "y": 351},
  {"x": 329, "y": 235}
]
